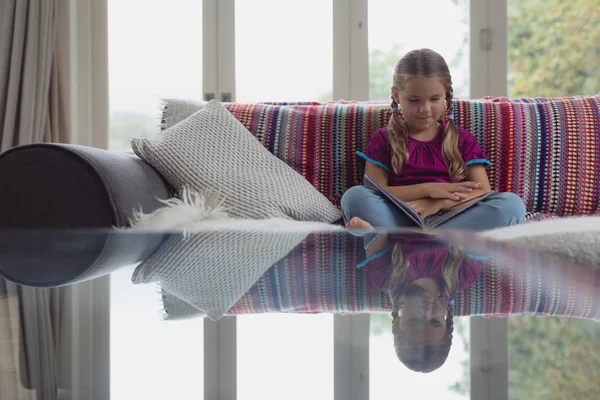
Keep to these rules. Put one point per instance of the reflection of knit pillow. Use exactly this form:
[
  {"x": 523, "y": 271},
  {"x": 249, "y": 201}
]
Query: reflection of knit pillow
[
  {"x": 212, "y": 150},
  {"x": 212, "y": 270}
]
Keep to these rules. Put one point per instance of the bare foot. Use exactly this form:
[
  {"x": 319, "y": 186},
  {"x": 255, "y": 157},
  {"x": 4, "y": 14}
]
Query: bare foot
[{"x": 357, "y": 223}]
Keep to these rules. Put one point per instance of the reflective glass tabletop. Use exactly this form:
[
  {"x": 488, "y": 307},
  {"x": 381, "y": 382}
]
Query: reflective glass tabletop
[{"x": 248, "y": 313}]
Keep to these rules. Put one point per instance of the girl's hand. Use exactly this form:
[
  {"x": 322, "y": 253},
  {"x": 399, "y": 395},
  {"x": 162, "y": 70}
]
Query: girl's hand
[
  {"x": 426, "y": 207},
  {"x": 453, "y": 191}
]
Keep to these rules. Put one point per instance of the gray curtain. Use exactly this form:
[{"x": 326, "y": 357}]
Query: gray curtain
[
  {"x": 10, "y": 351},
  {"x": 27, "y": 38},
  {"x": 32, "y": 109}
]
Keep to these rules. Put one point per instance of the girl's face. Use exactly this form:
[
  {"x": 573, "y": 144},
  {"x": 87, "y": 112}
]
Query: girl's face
[
  {"x": 422, "y": 101},
  {"x": 423, "y": 318}
]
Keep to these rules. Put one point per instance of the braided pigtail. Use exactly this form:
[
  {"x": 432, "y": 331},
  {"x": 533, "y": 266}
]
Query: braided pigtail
[
  {"x": 449, "y": 324},
  {"x": 450, "y": 150},
  {"x": 450, "y": 271},
  {"x": 398, "y": 135},
  {"x": 398, "y": 279},
  {"x": 456, "y": 256}
]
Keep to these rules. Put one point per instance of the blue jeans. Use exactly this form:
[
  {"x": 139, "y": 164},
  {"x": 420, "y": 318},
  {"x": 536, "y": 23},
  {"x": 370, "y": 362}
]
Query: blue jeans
[{"x": 498, "y": 210}]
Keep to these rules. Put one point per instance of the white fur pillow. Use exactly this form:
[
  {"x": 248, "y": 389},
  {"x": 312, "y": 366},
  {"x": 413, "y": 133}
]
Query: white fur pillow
[{"x": 213, "y": 150}]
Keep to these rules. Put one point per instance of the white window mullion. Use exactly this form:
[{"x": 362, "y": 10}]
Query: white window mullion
[
  {"x": 220, "y": 359},
  {"x": 218, "y": 63},
  {"x": 489, "y": 67},
  {"x": 489, "y": 52},
  {"x": 209, "y": 49},
  {"x": 341, "y": 49},
  {"x": 351, "y": 82},
  {"x": 479, "y": 59},
  {"x": 351, "y": 357},
  {"x": 350, "y": 50},
  {"x": 498, "y": 55},
  {"x": 226, "y": 50},
  {"x": 489, "y": 358},
  {"x": 359, "y": 50}
]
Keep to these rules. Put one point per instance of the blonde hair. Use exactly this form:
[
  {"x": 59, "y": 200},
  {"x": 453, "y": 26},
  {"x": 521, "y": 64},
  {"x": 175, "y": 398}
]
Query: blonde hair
[
  {"x": 429, "y": 357},
  {"x": 398, "y": 285},
  {"x": 426, "y": 63}
]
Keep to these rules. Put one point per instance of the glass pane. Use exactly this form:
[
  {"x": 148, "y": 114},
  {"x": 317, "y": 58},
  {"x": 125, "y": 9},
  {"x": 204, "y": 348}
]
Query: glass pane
[
  {"x": 553, "y": 358},
  {"x": 397, "y": 27},
  {"x": 451, "y": 381},
  {"x": 281, "y": 353},
  {"x": 279, "y": 58},
  {"x": 553, "y": 48},
  {"x": 552, "y": 52},
  {"x": 175, "y": 368},
  {"x": 155, "y": 51}
]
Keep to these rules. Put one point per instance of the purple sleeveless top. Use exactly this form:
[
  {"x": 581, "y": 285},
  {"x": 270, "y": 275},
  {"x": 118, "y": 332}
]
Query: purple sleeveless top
[
  {"x": 426, "y": 257},
  {"x": 425, "y": 159}
]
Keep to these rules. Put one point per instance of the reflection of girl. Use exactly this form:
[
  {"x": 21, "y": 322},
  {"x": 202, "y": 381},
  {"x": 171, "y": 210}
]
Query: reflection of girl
[{"x": 421, "y": 275}]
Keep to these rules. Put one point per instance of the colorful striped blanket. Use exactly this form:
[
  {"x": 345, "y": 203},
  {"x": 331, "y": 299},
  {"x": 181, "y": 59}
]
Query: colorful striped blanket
[{"x": 545, "y": 150}]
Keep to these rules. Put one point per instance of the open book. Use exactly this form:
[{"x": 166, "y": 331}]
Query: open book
[{"x": 434, "y": 220}]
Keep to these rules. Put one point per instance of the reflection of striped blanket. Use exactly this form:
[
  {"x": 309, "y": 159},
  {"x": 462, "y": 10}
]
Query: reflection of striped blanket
[
  {"x": 545, "y": 150},
  {"x": 320, "y": 276}
]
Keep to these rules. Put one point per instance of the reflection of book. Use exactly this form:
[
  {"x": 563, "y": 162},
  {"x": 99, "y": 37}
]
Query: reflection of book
[{"x": 434, "y": 220}]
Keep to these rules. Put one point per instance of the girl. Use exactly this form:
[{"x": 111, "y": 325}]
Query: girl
[
  {"x": 421, "y": 275},
  {"x": 424, "y": 159}
]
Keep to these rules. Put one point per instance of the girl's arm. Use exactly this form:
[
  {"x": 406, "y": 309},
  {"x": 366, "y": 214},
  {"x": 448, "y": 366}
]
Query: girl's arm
[
  {"x": 404, "y": 193},
  {"x": 475, "y": 173},
  {"x": 454, "y": 192},
  {"x": 377, "y": 245}
]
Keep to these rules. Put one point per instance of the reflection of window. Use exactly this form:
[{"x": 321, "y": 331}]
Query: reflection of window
[
  {"x": 389, "y": 40},
  {"x": 553, "y": 48},
  {"x": 285, "y": 356},
  {"x": 451, "y": 381},
  {"x": 155, "y": 51},
  {"x": 553, "y": 358},
  {"x": 150, "y": 358}
]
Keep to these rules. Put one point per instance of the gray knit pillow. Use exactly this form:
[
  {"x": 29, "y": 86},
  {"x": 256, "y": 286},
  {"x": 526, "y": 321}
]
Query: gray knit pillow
[
  {"x": 174, "y": 111},
  {"x": 212, "y": 150}
]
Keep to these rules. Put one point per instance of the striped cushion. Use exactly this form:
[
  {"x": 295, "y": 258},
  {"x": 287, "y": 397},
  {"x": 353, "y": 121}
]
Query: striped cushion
[{"x": 545, "y": 150}]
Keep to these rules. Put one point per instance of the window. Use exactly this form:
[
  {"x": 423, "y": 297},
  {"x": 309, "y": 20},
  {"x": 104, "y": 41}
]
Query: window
[
  {"x": 155, "y": 51},
  {"x": 553, "y": 48},
  {"x": 451, "y": 381},
  {"x": 138, "y": 334},
  {"x": 279, "y": 353},
  {"x": 283, "y": 53},
  {"x": 391, "y": 36},
  {"x": 553, "y": 358}
]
